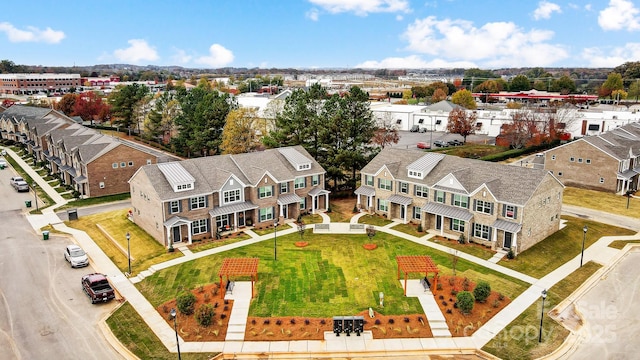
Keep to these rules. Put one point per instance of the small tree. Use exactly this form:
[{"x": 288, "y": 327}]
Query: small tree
[
  {"x": 465, "y": 301},
  {"x": 454, "y": 260},
  {"x": 462, "y": 123},
  {"x": 185, "y": 302},
  {"x": 371, "y": 232},
  {"x": 301, "y": 228},
  {"x": 482, "y": 291},
  {"x": 204, "y": 314}
]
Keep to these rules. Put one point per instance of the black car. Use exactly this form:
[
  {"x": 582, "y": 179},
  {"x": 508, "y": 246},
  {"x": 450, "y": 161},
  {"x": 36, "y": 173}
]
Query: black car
[
  {"x": 440, "y": 143},
  {"x": 455, "y": 143},
  {"x": 415, "y": 128}
]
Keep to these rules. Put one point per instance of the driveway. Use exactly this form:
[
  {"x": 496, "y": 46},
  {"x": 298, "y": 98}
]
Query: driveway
[{"x": 611, "y": 315}]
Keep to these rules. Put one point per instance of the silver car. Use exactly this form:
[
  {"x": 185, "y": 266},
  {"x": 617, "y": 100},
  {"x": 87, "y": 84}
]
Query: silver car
[{"x": 76, "y": 256}]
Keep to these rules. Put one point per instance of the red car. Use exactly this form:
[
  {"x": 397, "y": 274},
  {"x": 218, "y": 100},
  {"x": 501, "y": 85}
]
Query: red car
[{"x": 423, "y": 145}]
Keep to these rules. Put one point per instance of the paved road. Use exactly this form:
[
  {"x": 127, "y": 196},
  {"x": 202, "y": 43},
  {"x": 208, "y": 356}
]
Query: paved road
[
  {"x": 612, "y": 318},
  {"x": 603, "y": 217},
  {"x": 88, "y": 210},
  {"x": 43, "y": 312}
]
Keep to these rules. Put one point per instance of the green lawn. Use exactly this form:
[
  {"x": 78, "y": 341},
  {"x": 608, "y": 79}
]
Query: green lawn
[
  {"x": 519, "y": 340},
  {"x": 374, "y": 220},
  {"x": 598, "y": 200},
  {"x": 472, "y": 249},
  {"x": 145, "y": 250},
  {"x": 127, "y": 325},
  {"x": 333, "y": 275},
  {"x": 619, "y": 244},
  {"x": 557, "y": 249},
  {"x": 409, "y": 229}
]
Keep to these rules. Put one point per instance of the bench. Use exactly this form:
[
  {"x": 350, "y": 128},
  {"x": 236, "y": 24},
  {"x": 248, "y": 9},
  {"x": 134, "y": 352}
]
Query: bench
[
  {"x": 425, "y": 283},
  {"x": 230, "y": 285}
]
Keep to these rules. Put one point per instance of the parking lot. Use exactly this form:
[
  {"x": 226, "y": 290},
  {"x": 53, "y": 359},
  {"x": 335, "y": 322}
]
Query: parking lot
[{"x": 409, "y": 140}]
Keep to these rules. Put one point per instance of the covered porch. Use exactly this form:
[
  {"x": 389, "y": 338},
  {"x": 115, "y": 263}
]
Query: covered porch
[
  {"x": 317, "y": 196},
  {"x": 399, "y": 206},
  {"x": 364, "y": 197},
  {"x": 175, "y": 227},
  {"x": 232, "y": 217},
  {"x": 440, "y": 217},
  {"x": 506, "y": 234}
]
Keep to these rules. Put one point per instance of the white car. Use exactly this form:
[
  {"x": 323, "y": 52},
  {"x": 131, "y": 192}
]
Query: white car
[
  {"x": 76, "y": 256},
  {"x": 19, "y": 184}
]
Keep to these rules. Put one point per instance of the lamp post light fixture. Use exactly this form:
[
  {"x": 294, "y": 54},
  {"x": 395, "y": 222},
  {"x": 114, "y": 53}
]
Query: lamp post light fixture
[
  {"x": 35, "y": 195},
  {"x": 275, "y": 240},
  {"x": 544, "y": 296},
  {"x": 584, "y": 237},
  {"x": 128, "y": 236},
  {"x": 174, "y": 315}
]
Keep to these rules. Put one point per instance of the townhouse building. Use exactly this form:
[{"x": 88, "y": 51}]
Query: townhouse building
[
  {"x": 179, "y": 202},
  {"x": 500, "y": 206},
  {"x": 607, "y": 162}
]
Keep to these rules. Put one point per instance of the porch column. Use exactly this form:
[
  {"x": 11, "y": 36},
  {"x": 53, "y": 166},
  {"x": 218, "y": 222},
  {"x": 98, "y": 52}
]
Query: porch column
[
  {"x": 406, "y": 208},
  {"x": 326, "y": 201},
  {"x": 168, "y": 236},
  {"x": 494, "y": 236}
]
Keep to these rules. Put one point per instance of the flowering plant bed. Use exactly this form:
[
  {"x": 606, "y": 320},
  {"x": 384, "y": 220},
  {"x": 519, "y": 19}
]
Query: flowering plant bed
[
  {"x": 301, "y": 243},
  {"x": 370, "y": 246}
]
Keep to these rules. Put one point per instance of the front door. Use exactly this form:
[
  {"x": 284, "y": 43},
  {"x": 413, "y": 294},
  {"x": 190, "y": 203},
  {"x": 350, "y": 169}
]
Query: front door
[
  {"x": 241, "y": 219},
  {"x": 176, "y": 234},
  {"x": 438, "y": 222},
  {"x": 507, "y": 240},
  {"x": 285, "y": 211},
  {"x": 402, "y": 212}
]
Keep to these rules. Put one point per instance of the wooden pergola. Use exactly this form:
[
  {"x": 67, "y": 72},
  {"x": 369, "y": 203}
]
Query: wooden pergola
[
  {"x": 417, "y": 264},
  {"x": 238, "y": 267}
]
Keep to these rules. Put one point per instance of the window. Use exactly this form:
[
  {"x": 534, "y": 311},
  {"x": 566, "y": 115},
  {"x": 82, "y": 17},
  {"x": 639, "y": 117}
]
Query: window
[
  {"x": 399, "y": 121},
  {"x": 457, "y": 225},
  {"x": 594, "y": 127},
  {"x": 299, "y": 183},
  {"x": 588, "y": 161},
  {"x": 421, "y": 121},
  {"x": 559, "y": 173},
  {"x": 222, "y": 221},
  {"x": 266, "y": 214},
  {"x": 383, "y": 205},
  {"x": 478, "y": 125},
  {"x": 148, "y": 161},
  {"x": 174, "y": 207},
  {"x": 265, "y": 192},
  {"x": 284, "y": 188},
  {"x": 385, "y": 184},
  {"x": 484, "y": 207},
  {"x": 417, "y": 213},
  {"x": 415, "y": 174},
  {"x": 438, "y": 122},
  {"x": 403, "y": 187},
  {"x": 303, "y": 203},
  {"x": 601, "y": 180},
  {"x": 130, "y": 163},
  {"x": 422, "y": 191},
  {"x": 579, "y": 160},
  {"x": 439, "y": 196},
  {"x": 101, "y": 185},
  {"x": 114, "y": 165},
  {"x": 572, "y": 159},
  {"x": 510, "y": 211},
  {"x": 231, "y": 196},
  {"x": 123, "y": 164},
  {"x": 315, "y": 180},
  {"x": 553, "y": 157},
  {"x": 198, "y": 202},
  {"x": 368, "y": 180},
  {"x": 460, "y": 200},
  {"x": 199, "y": 226},
  {"x": 482, "y": 231}
]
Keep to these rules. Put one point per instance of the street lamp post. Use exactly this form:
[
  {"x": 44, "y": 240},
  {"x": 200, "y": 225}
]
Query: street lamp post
[
  {"x": 35, "y": 195},
  {"x": 128, "y": 236},
  {"x": 544, "y": 296},
  {"x": 584, "y": 237},
  {"x": 175, "y": 328},
  {"x": 275, "y": 240}
]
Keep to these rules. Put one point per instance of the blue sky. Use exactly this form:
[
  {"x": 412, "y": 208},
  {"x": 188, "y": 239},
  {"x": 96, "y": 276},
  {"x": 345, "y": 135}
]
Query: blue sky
[{"x": 322, "y": 33}]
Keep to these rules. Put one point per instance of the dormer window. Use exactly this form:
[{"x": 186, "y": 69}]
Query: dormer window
[
  {"x": 304, "y": 166},
  {"x": 416, "y": 174},
  {"x": 177, "y": 176}
]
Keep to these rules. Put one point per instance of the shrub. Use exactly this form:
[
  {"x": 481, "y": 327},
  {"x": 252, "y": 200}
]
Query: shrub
[
  {"x": 406, "y": 319},
  {"x": 323, "y": 321},
  {"x": 420, "y": 229},
  {"x": 278, "y": 322},
  {"x": 482, "y": 291},
  {"x": 465, "y": 301},
  {"x": 204, "y": 314},
  {"x": 466, "y": 284},
  {"x": 511, "y": 255},
  {"x": 391, "y": 321},
  {"x": 441, "y": 297},
  {"x": 439, "y": 286},
  {"x": 266, "y": 322},
  {"x": 444, "y": 303},
  {"x": 496, "y": 303},
  {"x": 500, "y": 296},
  {"x": 185, "y": 302},
  {"x": 449, "y": 311},
  {"x": 292, "y": 321},
  {"x": 462, "y": 239},
  {"x": 223, "y": 316},
  {"x": 253, "y": 321},
  {"x": 377, "y": 322},
  {"x": 307, "y": 321}
]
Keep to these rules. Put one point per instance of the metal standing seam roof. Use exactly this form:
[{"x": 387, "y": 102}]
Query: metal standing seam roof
[
  {"x": 175, "y": 173},
  {"x": 318, "y": 191},
  {"x": 288, "y": 199},
  {"x": 426, "y": 163},
  {"x": 365, "y": 190},
  {"x": 294, "y": 157},
  {"x": 399, "y": 199},
  {"x": 175, "y": 220},
  {"x": 508, "y": 226},
  {"x": 233, "y": 208},
  {"x": 447, "y": 211}
]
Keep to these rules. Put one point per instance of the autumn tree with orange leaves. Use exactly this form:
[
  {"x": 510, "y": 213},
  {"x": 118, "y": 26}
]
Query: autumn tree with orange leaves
[{"x": 462, "y": 122}]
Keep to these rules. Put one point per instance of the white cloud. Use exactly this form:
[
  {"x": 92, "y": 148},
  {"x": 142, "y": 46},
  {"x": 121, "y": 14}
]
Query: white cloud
[
  {"x": 180, "y": 56},
  {"x": 363, "y": 7},
  {"x": 32, "y": 34},
  {"x": 587, "y": 7},
  {"x": 545, "y": 9},
  {"x": 413, "y": 62},
  {"x": 596, "y": 57},
  {"x": 218, "y": 56},
  {"x": 137, "y": 51},
  {"x": 495, "y": 44},
  {"x": 619, "y": 15},
  {"x": 312, "y": 14}
]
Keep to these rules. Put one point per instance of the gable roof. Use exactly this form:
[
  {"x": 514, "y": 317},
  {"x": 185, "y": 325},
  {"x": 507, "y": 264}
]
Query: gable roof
[
  {"x": 444, "y": 106},
  {"x": 512, "y": 184}
]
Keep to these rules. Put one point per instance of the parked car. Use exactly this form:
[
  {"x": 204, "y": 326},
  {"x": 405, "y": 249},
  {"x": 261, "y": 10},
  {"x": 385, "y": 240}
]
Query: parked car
[
  {"x": 455, "y": 143},
  {"x": 440, "y": 143},
  {"x": 423, "y": 130},
  {"x": 97, "y": 288},
  {"x": 415, "y": 128},
  {"x": 19, "y": 184},
  {"x": 423, "y": 145},
  {"x": 76, "y": 256},
  {"x": 3, "y": 164},
  {"x": 4, "y": 152}
]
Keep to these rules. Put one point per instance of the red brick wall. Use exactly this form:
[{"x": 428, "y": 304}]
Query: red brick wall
[{"x": 115, "y": 179}]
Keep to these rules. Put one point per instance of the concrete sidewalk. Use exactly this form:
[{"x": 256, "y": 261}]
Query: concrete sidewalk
[{"x": 342, "y": 346}]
